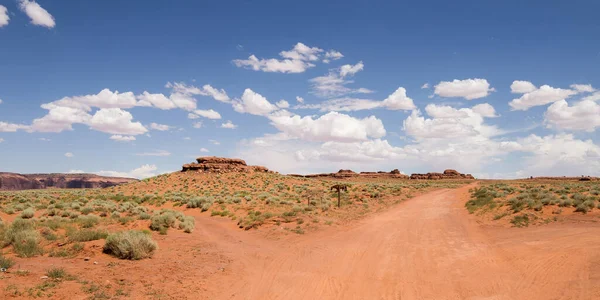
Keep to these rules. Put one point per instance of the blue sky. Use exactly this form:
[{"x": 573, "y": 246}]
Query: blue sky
[{"x": 498, "y": 89}]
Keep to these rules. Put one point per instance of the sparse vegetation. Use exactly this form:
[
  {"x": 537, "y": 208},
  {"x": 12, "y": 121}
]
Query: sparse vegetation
[{"x": 133, "y": 245}]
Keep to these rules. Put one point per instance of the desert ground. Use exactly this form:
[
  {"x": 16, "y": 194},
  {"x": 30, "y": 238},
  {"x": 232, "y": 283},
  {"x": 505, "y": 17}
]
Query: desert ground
[{"x": 262, "y": 235}]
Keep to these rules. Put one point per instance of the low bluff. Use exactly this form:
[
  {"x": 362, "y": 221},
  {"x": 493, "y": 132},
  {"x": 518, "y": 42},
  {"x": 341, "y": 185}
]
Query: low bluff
[
  {"x": 448, "y": 174},
  {"x": 213, "y": 164},
  {"x": 15, "y": 181},
  {"x": 349, "y": 173}
]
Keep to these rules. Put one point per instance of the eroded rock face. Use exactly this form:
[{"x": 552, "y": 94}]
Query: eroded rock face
[
  {"x": 213, "y": 164},
  {"x": 14, "y": 181},
  {"x": 448, "y": 174},
  {"x": 349, "y": 173}
]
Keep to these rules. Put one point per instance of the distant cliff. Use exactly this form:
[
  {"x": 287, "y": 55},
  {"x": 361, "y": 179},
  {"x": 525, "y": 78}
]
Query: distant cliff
[{"x": 15, "y": 181}]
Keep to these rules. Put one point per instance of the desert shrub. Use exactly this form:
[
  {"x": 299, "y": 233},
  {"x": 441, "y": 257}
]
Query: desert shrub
[
  {"x": 131, "y": 245},
  {"x": 164, "y": 219},
  {"x": 86, "y": 235},
  {"x": 520, "y": 221},
  {"x": 188, "y": 224},
  {"x": 28, "y": 213},
  {"x": 480, "y": 197},
  {"x": 501, "y": 215},
  {"x": 21, "y": 234},
  {"x": 56, "y": 273},
  {"x": 88, "y": 221},
  {"x": 6, "y": 262},
  {"x": 581, "y": 207}
]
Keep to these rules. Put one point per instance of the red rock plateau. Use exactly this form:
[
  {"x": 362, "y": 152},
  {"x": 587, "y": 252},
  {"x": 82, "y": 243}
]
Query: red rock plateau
[
  {"x": 15, "y": 181},
  {"x": 351, "y": 174},
  {"x": 448, "y": 174},
  {"x": 213, "y": 164}
]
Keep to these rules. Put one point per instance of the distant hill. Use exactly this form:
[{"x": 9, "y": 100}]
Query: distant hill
[{"x": 15, "y": 181}]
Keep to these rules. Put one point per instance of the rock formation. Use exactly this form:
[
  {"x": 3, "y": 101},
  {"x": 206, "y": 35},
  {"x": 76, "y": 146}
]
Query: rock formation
[
  {"x": 14, "y": 181},
  {"x": 350, "y": 174},
  {"x": 448, "y": 174},
  {"x": 213, "y": 164}
]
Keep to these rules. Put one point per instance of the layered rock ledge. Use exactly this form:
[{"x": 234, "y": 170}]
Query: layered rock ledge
[
  {"x": 448, "y": 174},
  {"x": 213, "y": 164}
]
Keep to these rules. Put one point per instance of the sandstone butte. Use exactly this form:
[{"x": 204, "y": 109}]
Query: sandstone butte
[
  {"x": 15, "y": 181},
  {"x": 213, "y": 164}
]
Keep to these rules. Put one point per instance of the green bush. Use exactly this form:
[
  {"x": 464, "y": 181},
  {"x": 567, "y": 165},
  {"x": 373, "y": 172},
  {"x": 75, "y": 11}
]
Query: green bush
[
  {"x": 21, "y": 234},
  {"x": 86, "y": 235},
  {"x": 131, "y": 245},
  {"x": 28, "y": 213}
]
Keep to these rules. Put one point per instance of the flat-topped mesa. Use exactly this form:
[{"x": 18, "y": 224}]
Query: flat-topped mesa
[
  {"x": 213, "y": 164},
  {"x": 448, "y": 174}
]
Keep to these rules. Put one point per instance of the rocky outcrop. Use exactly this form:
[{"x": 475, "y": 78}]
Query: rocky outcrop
[
  {"x": 351, "y": 174},
  {"x": 14, "y": 181},
  {"x": 448, "y": 174},
  {"x": 213, "y": 164}
]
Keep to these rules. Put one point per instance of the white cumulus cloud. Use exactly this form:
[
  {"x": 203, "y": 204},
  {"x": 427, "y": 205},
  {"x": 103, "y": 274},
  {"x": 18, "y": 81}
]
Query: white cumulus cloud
[
  {"x": 4, "y": 18},
  {"x": 37, "y": 14},
  {"x": 469, "y": 89},
  {"x": 122, "y": 138}
]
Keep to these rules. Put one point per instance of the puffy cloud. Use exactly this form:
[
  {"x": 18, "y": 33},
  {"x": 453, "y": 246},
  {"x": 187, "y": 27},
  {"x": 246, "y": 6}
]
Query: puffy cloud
[
  {"x": 366, "y": 151},
  {"x": 204, "y": 150},
  {"x": 37, "y": 14},
  {"x": 4, "y": 18},
  {"x": 253, "y": 103},
  {"x": 299, "y": 99},
  {"x": 425, "y": 85},
  {"x": 302, "y": 52},
  {"x": 296, "y": 60},
  {"x": 116, "y": 121},
  {"x": 197, "y": 125},
  {"x": 282, "y": 104},
  {"x": 542, "y": 96},
  {"x": 122, "y": 138},
  {"x": 144, "y": 171},
  {"x": 59, "y": 118},
  {"x": 332, "y": 55},
  {"x": 155, "y": 153},
  {"x": 183, "y": 101},
  {"x": 469, "y": 88},
  {"x": 449, "y": 123},
  {"x": 219, "y": 95},
  {"x": 398, "y": 101},
  {"x": 229, "y": 125},
  {"x": 522, "y": 87},
  {"x": 159, "y": 127},
  {"x": 583, "y": 115},
  {"x": 183, "y": 95},
  {"x": 485, "y": 110},
  {"x": 561, "y": 154},
  {"x": 10, "y": 127},
  {"x": 346, "y": 70},
  {"x": 159, "y": 101},
  {"x": 583, "y": 88},
  {"x": 104, "y": 99},
  {"x": 69, "y": 154},
  {"x": 193, "y": 116},
  {"x": 329, "y": 127}
]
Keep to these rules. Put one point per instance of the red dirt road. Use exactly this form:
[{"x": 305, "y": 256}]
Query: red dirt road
[{"x": 426, "y": 248}]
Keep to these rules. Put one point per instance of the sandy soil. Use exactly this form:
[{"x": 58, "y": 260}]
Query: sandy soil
[{"x": 427, "y": 247}]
